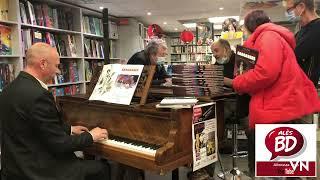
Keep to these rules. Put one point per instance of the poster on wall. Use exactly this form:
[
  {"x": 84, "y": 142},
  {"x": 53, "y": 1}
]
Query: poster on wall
[
  {"x": 204, "y": 33},
  {"x": 204, "y": 135},
  {"x": 117, "y": 83}
]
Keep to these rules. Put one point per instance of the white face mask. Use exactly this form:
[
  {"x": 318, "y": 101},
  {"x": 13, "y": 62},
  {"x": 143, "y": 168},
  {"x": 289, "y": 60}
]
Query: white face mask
[
  {"x": 223, "y": 60},
  {"x": 161, "y": 60}
]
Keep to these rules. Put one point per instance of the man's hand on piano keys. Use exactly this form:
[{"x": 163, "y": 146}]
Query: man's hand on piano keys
[
  {"x": 76, "y": 130},
  {"x": 99, "y": 134}
]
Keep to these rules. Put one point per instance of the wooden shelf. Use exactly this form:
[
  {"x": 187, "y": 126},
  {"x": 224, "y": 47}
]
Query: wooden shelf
[
  {"x": 188, "y": 53},
  {"x": 178, "y": 62},
  {"x": 65, "y": 84},
  {"x": 8, "y": 22},
  {"x": 49, "y": 29},
  {"x": 189, "y": 45},
  {"x": 94, "y": 58},
  {"x": 9, "y": 56},
  {"x": 92, "y": 35},
  {"x": 66, "y": 57}
]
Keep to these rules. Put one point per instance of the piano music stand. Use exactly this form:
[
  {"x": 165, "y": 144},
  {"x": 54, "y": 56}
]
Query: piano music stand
[
  {"x": 143, "y": 86},
  {"x": 235, "y": 172}
]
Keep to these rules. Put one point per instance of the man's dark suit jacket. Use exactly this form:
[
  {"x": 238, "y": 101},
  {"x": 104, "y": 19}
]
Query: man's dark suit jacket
[{"x": 36, "y": 144}]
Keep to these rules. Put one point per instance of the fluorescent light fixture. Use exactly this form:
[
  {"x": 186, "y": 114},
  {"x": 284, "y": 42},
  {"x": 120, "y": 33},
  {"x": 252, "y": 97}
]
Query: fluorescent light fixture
[
  {"x": 217, "y": 26},
  {"x": 176, "y": 29},
  {"x": 190, "y": 25},
  {"x": 221, "y": 8},
  {"x": 149, "y": 13},
  {"x": 241, "y": 22},
  {"x": 165, "y": 23},
  {"x": 220, "y": 20},
  {"x": 101, "y": 7}
]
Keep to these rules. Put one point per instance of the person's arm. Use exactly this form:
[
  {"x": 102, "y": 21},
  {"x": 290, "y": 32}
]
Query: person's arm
[
  {"x": 268, "y": 67},
  {"x": 50, "y": 130}
]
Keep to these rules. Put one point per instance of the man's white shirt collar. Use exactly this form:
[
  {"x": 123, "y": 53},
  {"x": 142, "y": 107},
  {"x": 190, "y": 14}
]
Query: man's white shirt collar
[{"x": 42, "y": 84}]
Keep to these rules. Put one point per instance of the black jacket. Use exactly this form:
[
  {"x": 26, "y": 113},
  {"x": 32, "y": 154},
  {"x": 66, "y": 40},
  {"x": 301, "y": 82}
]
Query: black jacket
[
  {"x": 36, "y": 144},
  {"x": 228, "y": 68},
  {"x": 141, "y": 58},
  {"x": 308, "y": 50}
]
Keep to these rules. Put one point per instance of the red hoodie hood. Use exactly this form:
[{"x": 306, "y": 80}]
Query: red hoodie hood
[{"x": 282, "y": 31}]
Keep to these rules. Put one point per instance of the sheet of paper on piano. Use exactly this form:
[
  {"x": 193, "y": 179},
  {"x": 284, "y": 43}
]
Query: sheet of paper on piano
[{"x": 117, "y": 83}]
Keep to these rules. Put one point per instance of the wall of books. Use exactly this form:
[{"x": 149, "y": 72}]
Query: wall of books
[
  {"x": 77, "y": 33},
  {"x": 189, "y": 53}
]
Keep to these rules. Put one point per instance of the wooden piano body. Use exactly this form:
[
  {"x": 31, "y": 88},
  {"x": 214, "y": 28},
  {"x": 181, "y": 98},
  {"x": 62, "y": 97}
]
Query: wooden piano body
[
  {"x": 169, "y": 132},
  {"x": 166, "y": 134}
]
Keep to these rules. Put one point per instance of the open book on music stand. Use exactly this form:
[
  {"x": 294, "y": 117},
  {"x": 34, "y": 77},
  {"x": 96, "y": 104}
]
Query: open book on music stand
[{"x": 141, "y": 87}]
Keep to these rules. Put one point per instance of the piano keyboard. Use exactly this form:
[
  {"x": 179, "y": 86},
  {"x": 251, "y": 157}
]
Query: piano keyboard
[{"x": 131, "y": 145}]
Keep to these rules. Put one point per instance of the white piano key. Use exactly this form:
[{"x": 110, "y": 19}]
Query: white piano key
[{"x": 129, "y": 146}]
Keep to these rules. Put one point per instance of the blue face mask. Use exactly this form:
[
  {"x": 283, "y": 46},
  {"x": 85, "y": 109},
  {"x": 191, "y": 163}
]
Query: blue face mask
[{"x": 292, "y": 17}]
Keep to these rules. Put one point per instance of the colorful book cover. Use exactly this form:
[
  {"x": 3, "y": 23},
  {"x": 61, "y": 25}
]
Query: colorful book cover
[
  {"x": 32, "y": 17},
  {"x": 38, "y": 14},
  {"x": 245, "y": 60},
  {"x": 47, "y": 15},
  {"x": 5, "y": 40},
  {"x": 23, "y": 13},
  {"x": 71, "y": 46}
]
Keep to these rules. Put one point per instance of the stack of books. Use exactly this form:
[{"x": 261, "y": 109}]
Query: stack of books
[{"x": 197, "y": 80}]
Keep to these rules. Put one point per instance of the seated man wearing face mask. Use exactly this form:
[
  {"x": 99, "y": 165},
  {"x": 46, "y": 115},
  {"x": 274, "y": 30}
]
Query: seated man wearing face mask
[
  {"x": 155, "y": 52},
  {"x": 224, "y": 56}
]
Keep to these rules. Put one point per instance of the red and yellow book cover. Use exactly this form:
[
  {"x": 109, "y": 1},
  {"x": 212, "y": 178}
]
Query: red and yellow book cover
[{"x": 5, "y": 40}]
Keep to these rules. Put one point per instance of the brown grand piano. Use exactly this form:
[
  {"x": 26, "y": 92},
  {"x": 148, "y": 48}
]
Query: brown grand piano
[{"x": 140, "y": 135}]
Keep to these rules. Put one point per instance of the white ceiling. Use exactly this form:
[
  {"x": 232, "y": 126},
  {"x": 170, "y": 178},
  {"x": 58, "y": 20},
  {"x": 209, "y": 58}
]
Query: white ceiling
[{"x": 171, "y": 11}]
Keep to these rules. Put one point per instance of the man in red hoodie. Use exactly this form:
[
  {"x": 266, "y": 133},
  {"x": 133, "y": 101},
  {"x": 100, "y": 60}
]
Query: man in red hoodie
[{"x": 280, "y": 91}]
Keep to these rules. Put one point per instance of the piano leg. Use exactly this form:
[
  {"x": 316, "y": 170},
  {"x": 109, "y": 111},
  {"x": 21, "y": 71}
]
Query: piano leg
[{"x": 175, "y": 174}]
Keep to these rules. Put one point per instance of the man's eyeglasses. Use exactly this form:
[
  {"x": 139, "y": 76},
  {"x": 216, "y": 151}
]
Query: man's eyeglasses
[{"x": 294, "y": 6}]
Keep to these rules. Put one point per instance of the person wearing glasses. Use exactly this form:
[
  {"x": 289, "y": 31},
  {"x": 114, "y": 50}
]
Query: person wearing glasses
[{"x": 308, "y": 38}]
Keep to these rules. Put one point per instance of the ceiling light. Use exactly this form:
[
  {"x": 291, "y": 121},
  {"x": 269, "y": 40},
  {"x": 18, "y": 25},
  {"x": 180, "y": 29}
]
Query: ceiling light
[
  {"x": 221, "y": 8},
  {"x": 222, "y": 18},
  {"x": 190, "y": 25},
  {"x": 165, "y": 23},
  {"x": 149, "y": 13},
  {"x": 101, "y": 7},
  {"x": 176, "y": 29},
  {"x": 241, "y": 22}
]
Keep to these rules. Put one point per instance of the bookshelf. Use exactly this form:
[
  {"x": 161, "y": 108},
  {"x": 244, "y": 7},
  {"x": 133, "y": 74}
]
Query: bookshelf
[
  {"x": 189, "y": 53},
  {"x": 61, "y": 25}
]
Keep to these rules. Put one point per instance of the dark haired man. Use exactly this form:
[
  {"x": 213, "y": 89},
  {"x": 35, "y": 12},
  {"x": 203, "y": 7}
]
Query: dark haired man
[{"x": 308, "y": 38}]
